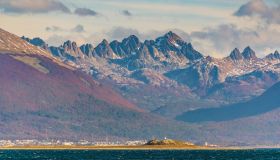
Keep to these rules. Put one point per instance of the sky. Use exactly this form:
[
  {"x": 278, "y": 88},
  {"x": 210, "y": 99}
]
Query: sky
[{"x": 214, "y": 27}]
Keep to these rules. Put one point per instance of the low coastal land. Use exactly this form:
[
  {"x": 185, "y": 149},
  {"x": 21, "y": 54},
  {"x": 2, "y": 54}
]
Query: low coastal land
[
  {"x": 139, "y": 147},
  {"x": 150, "y": 145}
]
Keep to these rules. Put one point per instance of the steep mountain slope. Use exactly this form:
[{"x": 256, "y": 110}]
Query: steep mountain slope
[
  {"x": 169, "y": 63},
  {"x": 236, "y": 77},
  {"x": 176, "y": 62},
  {"x": 255, "y": 122},
  {"x": 257, "y": 106},
  {"x": 40, "y": 82},
  {"x": 261, "y": 130},
  {"x": 59, "y": 94},
  {"x": 41, "y": 97},
  {"x": 134, "y": 64}
]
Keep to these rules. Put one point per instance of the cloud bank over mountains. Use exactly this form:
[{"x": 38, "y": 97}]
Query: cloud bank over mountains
[
  {"x": 41, "y": 6},
  {"x": 217, "y": 37},
  {"x": 32, "y": 6},
  {"x": 260, "y": 8}
]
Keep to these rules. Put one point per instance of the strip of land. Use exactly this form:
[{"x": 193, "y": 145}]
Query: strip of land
[{"x": 140, "y": 147}]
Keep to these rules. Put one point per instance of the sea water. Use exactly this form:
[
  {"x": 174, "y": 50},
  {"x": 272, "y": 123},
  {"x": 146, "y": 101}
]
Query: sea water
[{"x": 254, "y": 154}]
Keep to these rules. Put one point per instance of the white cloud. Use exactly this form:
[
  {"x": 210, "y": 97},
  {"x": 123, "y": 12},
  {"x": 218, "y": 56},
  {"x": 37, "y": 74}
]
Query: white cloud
[
  {"x": 79, "y": 29},
  {"x": 32, "y": 6},
  {"x": 220, "y": 40},
  {"x": 54, "y": 29},
  {"x": 118, "y": 33},
  {"x": 261, "y": 9}
]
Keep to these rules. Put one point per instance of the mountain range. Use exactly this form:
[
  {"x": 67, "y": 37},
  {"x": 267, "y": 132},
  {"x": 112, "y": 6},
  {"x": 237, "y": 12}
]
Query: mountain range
[
  {"x": 169, "y": 62},
  {"x": 132, "y": 89}
]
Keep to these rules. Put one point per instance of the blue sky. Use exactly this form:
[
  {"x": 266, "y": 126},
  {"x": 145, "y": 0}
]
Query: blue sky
[{"x": 214, "y": 27}]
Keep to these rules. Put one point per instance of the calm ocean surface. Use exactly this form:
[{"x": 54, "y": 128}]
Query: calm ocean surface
[{"x": 261, "y": 154}]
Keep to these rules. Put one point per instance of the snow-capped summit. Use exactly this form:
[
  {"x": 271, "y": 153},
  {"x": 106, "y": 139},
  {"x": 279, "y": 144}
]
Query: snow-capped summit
[{"x": 171, "y": 57}]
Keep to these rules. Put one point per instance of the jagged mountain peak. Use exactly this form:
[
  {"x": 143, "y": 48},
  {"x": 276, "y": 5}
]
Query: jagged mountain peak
[
  {"x": 133, "y": 38},
  {"x": 190, "y": 52},
  {"x": 104, "y": 50},
  {"x": 36, "y": 42},
  {"x": 172, "y": 35},
  {"x": 87, "y": 49},
  {"x": 104, "y": 41},
  {"x": 132, "y": 41},
  {"x": 209, "y": 58},
  {"x": 248, "y": 53},
  {"x": 149, "y": 42},
  {"x": 67, "y": 43},
  {"x": 68, "y": 50},
  {"x": 236, "y": 50},
  {"x": 115, "y": 42},
  {"x": 235, "y": 54},
  {"x": 169, "y": 42},
  {"x": 70, "y": 44},
  {"x": 190, "y": 45},
  {"x": 273, "y": 56},
  {"x": 87, "y": 45}
]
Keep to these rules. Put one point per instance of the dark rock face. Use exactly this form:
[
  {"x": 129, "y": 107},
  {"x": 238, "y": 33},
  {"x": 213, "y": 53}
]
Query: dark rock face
[
  {"x": 117, "y": 48},
  {"x": 42, "y": 97},
  {"x": 175, "y": 59},
  {"x": 236, "y": 55},
  {"x": 131, "y": 45},
  {"x": 273, "y": 56},
  {"x": 71, "y": 47},
  {"x": 249, "y": 54},
  {"x": 190, "y": 52},
  {"x": 87, "y": 49},
  {"x": 37, "y": 42},
  {"x": 165, "y": 50},
  {"x": 204, "y": 75},
  {"x": 103, "y": 50},
  {"x": 166, "y": 76}
]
